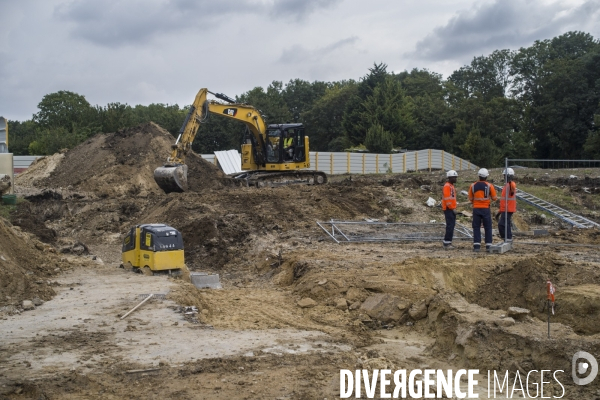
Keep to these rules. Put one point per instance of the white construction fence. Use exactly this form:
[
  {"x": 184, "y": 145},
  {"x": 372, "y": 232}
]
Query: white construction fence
[
  {"x": 340, "y": 163},
  {"x": 367, "y": 163}
]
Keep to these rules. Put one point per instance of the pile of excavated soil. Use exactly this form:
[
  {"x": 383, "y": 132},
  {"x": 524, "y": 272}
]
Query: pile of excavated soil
[
  {"x": 123, "y": 163},
  {"x": 25, "y": 267},
  {"x": 41, "y": 168},
  {"x": 203, "y": 175}
]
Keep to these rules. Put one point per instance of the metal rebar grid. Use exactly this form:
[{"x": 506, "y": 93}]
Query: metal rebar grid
[{"x": 366, "y": 231}]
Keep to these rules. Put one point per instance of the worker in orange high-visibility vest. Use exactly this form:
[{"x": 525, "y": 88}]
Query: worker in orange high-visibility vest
[
  {"x": 508, "y": 204},
  {"x": 449, "y": 206},
  {"x": 481, "y": 194}
]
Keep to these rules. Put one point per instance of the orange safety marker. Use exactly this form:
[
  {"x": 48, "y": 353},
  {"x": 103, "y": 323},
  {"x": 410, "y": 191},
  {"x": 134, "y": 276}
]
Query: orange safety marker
[{"x": 550, "y": 290}]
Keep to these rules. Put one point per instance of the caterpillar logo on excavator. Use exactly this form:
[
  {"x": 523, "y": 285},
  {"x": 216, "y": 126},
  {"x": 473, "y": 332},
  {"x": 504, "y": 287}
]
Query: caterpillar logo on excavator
[
  {"x": 276, "y": 154},
  {"x": 230, "y": 112}
]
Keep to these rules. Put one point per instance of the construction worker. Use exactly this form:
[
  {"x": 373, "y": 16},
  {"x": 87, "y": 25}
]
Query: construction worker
[
  {"x": 288, "y": 146},
  {"x": 508, "y": 204},
  {"x": 449, "y": 207},
  {"x": 481, "y": 194}
]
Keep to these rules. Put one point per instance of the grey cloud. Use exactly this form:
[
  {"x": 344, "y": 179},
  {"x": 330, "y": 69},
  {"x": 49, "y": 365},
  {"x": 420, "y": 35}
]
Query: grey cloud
[
  {"x": 504, "y": 24},
  {"x": 299, "y": 54},
  {"x": 115, "y": 23},
  {"x": 299, "y": 9}
]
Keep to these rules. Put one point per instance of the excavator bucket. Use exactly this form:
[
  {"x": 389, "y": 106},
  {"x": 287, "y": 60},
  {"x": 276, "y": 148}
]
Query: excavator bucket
[{"x": 172, "y": 178}]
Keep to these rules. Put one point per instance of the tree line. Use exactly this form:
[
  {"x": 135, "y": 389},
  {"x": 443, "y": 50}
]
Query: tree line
[{"x": 541, "y": 101}]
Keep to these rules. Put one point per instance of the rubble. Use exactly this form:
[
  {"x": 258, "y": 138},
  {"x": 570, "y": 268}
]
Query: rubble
[
  {"x": 307, "y": 302},
  {"x": 518, "y": 313}
]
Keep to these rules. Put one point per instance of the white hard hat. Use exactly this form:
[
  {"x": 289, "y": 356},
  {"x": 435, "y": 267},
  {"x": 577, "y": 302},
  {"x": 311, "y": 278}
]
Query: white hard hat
[
  {"x": 451, "y": 173},
  {"x": 484, "y": 173},
  {"x": 508, "y": 171}
]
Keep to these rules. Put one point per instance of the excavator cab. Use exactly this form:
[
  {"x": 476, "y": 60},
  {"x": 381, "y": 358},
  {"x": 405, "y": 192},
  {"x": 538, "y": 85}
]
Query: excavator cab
[
  {"x": 153, "y": 248},
  {"x": 279, "y": 139}
]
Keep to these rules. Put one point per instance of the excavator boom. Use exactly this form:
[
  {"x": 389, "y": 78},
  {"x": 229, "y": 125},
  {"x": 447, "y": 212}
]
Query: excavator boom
[{"x": 265, "y": 151}]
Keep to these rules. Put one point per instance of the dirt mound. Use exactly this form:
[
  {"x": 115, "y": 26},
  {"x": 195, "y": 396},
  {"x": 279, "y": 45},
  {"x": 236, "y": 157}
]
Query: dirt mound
[
  {"x": 25, "y": 267},
  {"x": 203, "y": 175},
  {"x": 122, "y": 164},
  {"x": 41, "y": 168}
]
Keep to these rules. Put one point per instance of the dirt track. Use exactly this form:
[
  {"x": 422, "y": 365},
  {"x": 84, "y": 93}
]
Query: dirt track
[{"x": 251, "y": 339}]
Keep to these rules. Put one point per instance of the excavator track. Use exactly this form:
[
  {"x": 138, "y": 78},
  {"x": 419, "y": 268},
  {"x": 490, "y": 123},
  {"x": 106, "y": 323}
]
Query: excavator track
[{"x": 274, "y": 179}]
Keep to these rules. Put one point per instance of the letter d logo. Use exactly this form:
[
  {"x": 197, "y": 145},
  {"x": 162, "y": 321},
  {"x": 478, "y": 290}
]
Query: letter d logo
[{"x": 582, "y": 367}]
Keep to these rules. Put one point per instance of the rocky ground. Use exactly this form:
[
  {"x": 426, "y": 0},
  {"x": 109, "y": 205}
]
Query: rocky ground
[{"x": 295, "y": 307}]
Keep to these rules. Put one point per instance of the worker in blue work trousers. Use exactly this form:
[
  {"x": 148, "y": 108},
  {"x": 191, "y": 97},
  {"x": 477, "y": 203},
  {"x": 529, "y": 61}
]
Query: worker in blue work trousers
[
  {"x": 449, "y": 208},
  {"x": 508, "y": 205},
  {"x": 481, "y": 194}
]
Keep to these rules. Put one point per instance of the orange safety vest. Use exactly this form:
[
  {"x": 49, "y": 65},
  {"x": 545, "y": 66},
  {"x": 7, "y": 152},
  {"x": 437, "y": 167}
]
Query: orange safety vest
[
  {"x": 511, "y": 198},
  {"x": 481, "y": 193},
  {"x": 448, "y": 197}
]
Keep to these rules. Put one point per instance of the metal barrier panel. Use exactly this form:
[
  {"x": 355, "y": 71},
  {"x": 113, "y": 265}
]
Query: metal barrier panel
[
  {"x": 397, "y": 163},
  {"x": 369, "y": 163},
  {"x": 313, "y": 159},
  {"x": 340, "y": 163},
  {"x": 356, "y": 163},
  {"x": 436, "y": 159},
  {"x": 211, "y": 158},
  {"x": 410, "y": 161},
  {"x": 24, "y": 161},
  {"x": 323, "y": 162},
  {"x": 422, "y": 160}
]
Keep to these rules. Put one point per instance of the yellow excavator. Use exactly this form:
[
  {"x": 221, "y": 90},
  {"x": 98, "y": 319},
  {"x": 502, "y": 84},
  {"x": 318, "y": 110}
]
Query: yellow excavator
[{"x": 276, "y": 154}]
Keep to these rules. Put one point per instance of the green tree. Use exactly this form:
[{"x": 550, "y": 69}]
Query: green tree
[
  {"x": 485, "y": 78},
  {"x": 559, "y": 85},
  {"x": 421, "y": 82},
  {"x": 300, "y": 95},
  {"x": 323, "y": 120},
  {"x": 353, "y": 121},
  {"x": 592, "y": 143},
  {"x": 388, "y": 107},
  {"x": 52, "y": 140},
  {"x": 428, "y": 108},
  {"x": 116, "y": 116},
  {"x": 66, "y": 110},
  {"x": 378, "y": 140},
  {"x": 270, "y": 102},
  {"x": 21, "y": 134},
  {"x": 168, "y": 116},
  {"x": 218, "y": 133}
]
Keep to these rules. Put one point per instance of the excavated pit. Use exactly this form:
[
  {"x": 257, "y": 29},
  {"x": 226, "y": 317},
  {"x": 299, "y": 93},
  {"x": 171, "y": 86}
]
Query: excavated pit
[{"x": 280, "y": 271}]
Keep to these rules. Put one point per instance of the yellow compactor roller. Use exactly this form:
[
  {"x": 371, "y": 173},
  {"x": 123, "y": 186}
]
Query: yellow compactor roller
[
  {"x": 153, "y": 248},
  {"x": 271, "y": 154}
]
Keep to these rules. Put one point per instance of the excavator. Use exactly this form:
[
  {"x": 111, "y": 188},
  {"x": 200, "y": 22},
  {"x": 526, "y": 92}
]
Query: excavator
[{"x": 272, "y": 155}]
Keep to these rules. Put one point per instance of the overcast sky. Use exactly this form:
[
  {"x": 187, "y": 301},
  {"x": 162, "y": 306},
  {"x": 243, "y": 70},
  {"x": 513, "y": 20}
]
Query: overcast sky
[{"x": 163, "y": 51}]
